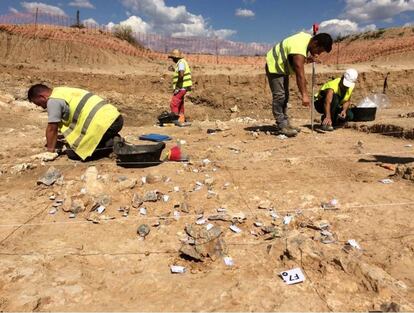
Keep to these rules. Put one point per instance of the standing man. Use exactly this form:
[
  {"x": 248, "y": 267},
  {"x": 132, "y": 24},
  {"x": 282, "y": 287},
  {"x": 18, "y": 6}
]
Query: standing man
[
  {"x": 286, "y": 58},
  {"x": 88, "y": 123},
  {"x": 333, "y": 100},
  {"x": 181, "y": 84}
]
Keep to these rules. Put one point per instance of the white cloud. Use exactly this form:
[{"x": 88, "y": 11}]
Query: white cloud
[
  {"x": 376, "y": 10},
  {"x": 337, "y": 27},
  {"x": 82, "y": 4},
  {"x": 244, "y": 13},
  {"x": 43, "y": 8},
  {"x": 90, "y": 21},
  {"x": 224, "y": 33},
  {"x": 136, "y": 23},
  {"x": 13, "y": 10},
  {"x": 172, "y": 21}
]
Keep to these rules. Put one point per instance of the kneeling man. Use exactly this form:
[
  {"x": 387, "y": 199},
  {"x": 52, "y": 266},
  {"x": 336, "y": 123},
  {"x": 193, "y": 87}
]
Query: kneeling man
[{"x": 88, "y": 122}]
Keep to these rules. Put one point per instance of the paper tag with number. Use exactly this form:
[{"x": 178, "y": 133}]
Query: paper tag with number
[{"x": 293, "y": 276}]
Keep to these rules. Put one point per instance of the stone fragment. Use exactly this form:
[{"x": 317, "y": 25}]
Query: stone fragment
[
  {"x": 265, "y": 205},
  {"x": 137, "y": 201},
  {"x": 50, "y": 177},
  {"x": 126, "y": 184},
  {"x": 143, "y": 230}
]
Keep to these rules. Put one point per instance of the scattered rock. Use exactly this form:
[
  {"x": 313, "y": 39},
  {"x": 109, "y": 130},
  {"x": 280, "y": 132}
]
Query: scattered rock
[
  {"x": 184, "y": 207},
  {"x": 92, "y": 185},
  {"x": 45, "y": 156},
  {"x": 405, "y": 171},
  {"x": 50, "y": 177},
  {"x": 206, "y": 243},
  {"x": 20, "y": 168},
  {"x": 390, "y": 307},
  {"x": 152, "y": 196},
  {"x": 221, "y": 126},
  {"x": 143, "y": 230},
  {"x": 127, "y": 183},
  {"x": 234, "y": 109},
  {"x": 220, "y": 217},
  {"x": 77, "y": 206},
  {"x": 265, "y": 205},
  {"x": 137, "y": 201},
  {"x": 103, "y": 199},
  {"x": 153, "y": 179},
  {"x": 209, "y": 181}
]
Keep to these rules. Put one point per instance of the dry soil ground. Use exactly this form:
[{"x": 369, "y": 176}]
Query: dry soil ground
[{"x": 53, "y": 262}]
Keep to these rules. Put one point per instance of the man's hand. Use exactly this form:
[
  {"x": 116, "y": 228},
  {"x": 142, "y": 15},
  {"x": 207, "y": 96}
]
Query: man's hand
[
  {"x": 313, "y": 58},
  {"x": 327, "y": 121},
  {"x": 305, "y": 100},
  {"x": 342, "y": 114}
]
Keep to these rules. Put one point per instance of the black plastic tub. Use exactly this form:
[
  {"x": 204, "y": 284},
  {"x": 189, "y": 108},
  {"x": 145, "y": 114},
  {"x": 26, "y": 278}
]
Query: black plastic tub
[
  {"x": 137, "y": 155},
  {"x": 364, "y": 114}
]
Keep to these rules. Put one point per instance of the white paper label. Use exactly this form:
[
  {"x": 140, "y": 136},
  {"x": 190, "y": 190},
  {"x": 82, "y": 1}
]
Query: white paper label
[{"x": 293, "y": 276}]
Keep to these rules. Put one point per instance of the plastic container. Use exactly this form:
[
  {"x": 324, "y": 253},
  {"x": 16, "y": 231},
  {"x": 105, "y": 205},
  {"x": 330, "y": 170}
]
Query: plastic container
[
  {"x": 364, "y": 114},
  {"x": 137, "y": 155}
]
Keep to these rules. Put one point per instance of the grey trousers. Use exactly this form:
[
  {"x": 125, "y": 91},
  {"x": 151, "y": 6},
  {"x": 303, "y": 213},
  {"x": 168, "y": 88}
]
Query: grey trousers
[{"x": 279, "y": 85}]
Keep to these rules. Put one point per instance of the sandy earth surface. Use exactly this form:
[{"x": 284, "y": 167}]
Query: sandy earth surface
[{"x": 54, "y": 262}]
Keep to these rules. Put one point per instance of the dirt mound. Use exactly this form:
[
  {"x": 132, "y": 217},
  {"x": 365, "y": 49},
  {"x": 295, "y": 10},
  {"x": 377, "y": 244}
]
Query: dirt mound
[
  {"x": 96, "y": 48},
  {"x": 370, "y": 46},
  {"x": 65, "y": 47}
]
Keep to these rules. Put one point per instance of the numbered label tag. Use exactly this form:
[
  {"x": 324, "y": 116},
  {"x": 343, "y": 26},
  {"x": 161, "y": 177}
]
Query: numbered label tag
[{"x": 293, "y": 276}]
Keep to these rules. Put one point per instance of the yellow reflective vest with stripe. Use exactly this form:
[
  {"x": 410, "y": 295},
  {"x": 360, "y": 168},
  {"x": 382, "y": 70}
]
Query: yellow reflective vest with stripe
[
  {"x": 277, "y": 59},
  {"x": 89, "y": 118},
  {"x": 187, "y": 82},
  {"x": 334, "y": 85}
]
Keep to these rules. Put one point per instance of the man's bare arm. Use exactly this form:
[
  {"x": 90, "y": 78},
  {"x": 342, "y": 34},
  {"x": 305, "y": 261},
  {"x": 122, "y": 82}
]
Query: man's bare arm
[
  {"x": 299, "y": 68},
  {"x": 327, "y": 107},
  {"x": 51, "y": 136},
  {"x": 180, "y": 80}
]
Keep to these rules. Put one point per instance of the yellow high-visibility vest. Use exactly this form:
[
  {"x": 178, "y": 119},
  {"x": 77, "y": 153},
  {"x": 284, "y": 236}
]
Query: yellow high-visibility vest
[
  {"x": 187, "y": 82},
  {"x": 89, "y": 118},
  {"x": 334, "y": 85},
  {"x": 277, "y": 58}
]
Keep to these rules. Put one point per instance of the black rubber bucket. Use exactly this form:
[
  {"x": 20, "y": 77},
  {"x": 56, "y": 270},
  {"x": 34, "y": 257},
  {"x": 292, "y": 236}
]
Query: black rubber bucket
[
  {"x": 137, "y": 155},
  {"x": 364, "y": 114}
]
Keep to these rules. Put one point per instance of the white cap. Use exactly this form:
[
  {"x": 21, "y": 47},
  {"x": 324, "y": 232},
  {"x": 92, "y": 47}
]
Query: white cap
[{"x": 350, "y": 77}]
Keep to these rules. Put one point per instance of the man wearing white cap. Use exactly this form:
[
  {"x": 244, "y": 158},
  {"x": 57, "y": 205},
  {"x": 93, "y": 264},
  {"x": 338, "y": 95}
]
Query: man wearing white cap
[{"x": 333, "y": 100}]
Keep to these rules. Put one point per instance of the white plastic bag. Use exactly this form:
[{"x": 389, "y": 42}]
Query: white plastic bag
[
  {"x": 377, "y": 100},
  {"x": 366, "y": 103}
]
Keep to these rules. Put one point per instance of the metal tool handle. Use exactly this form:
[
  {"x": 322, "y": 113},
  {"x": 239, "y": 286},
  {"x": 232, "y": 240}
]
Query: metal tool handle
[{"x": 315, "y": 28}]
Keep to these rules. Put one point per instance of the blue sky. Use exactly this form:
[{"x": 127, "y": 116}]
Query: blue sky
[{"x": 240, "y": 20}]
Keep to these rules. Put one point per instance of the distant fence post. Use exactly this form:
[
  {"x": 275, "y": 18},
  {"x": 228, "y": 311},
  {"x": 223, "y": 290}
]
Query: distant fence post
[
  {"x": 78, "y": 18},
  {"x": 216, "y": 50},
  {"x": 36, "y": 14},
  {"x": 337, "y": 56}
]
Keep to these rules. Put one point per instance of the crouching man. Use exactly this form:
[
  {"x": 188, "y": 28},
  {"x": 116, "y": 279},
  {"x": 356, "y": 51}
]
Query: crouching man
[
  {"x": 333, "y": 100},
  {"x": 87, "y": 122}
]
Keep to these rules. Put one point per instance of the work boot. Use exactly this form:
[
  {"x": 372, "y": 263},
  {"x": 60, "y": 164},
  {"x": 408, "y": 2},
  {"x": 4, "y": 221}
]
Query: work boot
[
  {"x": 287, "y": 131},
  {"x": 293, "y": 127}
]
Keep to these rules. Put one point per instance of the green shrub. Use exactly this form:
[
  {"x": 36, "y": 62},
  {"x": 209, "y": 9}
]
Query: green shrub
[{"x": 125, "y": 32}]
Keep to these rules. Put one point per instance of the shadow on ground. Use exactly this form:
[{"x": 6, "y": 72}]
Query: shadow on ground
[{"x": 388, "y": 159}]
